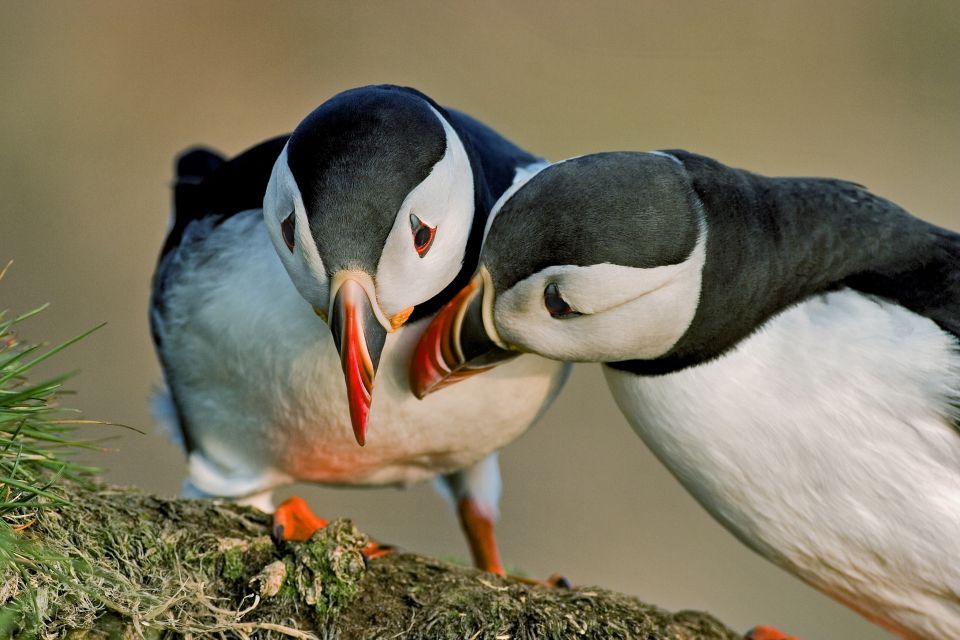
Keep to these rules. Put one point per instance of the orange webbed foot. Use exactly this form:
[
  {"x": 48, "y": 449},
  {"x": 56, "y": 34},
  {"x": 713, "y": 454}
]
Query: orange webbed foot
[
  {"x": 293, "y": 521},
  {"x": 764, "y": 632}
]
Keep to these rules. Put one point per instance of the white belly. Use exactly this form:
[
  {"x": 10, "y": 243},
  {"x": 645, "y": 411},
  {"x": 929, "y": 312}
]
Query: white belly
[
  {"x": 259, "y": 381},
  {"x": 826, "y": 442}
]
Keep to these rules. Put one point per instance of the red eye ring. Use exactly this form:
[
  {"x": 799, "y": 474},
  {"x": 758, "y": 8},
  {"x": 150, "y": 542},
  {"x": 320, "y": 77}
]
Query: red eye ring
[{"x": 422, "y": 235}]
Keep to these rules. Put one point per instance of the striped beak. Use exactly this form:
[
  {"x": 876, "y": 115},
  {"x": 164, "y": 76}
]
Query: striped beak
[
  {"x": 359, "y": 337},
  {"x": 456, "y": 345}
]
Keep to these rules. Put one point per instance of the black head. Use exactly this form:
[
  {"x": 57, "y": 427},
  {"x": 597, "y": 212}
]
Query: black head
[
  {"x": 355, "y": 159},
  {"x": 624, "y": 208},
  {"x": 598, "y": 258},
  {"x": 370, "y": 207},
  {"x": 376, "y": 181}
]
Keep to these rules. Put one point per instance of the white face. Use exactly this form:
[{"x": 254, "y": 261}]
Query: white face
[
  {"x": 443, "y": 201},
  {"x": 303, "y": 262},
  {"x": 626, "y": 312},
  {"x": 405, "y": 277}
]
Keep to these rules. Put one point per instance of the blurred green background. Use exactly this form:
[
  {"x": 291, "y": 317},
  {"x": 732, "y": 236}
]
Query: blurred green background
[{"x": 98, "y": 97}]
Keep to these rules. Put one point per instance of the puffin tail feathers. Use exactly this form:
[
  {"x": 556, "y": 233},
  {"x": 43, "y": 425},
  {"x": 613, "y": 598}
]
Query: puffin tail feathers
[
  {"x": 196, "y": 163},
  {"x": 193, "y": 166}
]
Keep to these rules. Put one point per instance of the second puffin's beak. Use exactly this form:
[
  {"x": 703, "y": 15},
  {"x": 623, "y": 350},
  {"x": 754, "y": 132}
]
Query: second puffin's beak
[
  {"x": 359, "y": 337},
  {"x": 456, "y": 345}
]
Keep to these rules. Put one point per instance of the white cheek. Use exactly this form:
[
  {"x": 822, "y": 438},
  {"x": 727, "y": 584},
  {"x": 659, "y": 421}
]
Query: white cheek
[
  {"x": 303, "y": 264},
  {"x": 629, "y": 313},
  {"x": 444, "y": 200}
]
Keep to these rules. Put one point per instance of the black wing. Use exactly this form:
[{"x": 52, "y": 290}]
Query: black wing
[
  {"x": 832, "y": 233},
  {"x": 774, "y": 242},
  {"x": 498, "y": 157}
]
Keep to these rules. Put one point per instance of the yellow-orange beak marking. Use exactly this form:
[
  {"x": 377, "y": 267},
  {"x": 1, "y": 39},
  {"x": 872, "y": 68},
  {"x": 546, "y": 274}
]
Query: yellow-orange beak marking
[{"x": 397, "y": 320}]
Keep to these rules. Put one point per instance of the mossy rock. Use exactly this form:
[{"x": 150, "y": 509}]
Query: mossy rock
[{"x": 124, "y": 564}]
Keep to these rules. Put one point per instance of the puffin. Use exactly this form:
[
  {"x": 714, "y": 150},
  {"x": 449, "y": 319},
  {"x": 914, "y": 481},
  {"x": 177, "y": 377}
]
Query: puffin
[
  {"x": 787, "y": 348},
  {"x": 296, "y": 279}
]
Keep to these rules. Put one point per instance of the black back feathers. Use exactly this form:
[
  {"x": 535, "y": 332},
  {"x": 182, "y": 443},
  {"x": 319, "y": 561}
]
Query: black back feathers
[{"x": 773, "y": 242}]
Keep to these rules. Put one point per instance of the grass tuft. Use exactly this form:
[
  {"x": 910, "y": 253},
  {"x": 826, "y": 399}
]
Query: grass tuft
[
  {"x": 72, "y": 557},
  {"x": 37, "y": 442}
]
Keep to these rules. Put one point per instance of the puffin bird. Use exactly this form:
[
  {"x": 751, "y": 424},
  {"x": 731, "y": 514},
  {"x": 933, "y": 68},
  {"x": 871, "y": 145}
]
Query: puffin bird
[
  {"x": 787, "y": 347},
  {"x": 369, "y": 215}
]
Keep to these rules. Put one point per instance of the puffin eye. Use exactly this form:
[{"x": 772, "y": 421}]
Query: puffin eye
[
  {"x": 555, "y": 303},
  {"x": 422, "y": 235},
  {"x": 287, "y": 227}
]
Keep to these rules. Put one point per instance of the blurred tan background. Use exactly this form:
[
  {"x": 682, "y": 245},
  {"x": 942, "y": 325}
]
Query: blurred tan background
[{"x": 98, "y": 97}]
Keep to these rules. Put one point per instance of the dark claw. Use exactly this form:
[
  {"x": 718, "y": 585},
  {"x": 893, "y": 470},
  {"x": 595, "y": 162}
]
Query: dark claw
[{"x": 558, "y": 581}]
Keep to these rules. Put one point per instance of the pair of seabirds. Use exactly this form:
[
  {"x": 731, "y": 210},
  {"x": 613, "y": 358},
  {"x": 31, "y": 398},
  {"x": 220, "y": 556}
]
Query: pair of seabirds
[{"x": 787, "y": 347}]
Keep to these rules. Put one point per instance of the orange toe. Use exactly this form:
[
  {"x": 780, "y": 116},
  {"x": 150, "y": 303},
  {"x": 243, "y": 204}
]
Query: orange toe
[
  {"x": 764, "y": 632},
  {"x": 294, "y": 521},
  {"x": 376, "y": 550}
]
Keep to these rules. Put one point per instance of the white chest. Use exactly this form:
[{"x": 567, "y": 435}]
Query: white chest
[
  {"x": 825, "y": 441},
  {"x": 259, "y": 380}
]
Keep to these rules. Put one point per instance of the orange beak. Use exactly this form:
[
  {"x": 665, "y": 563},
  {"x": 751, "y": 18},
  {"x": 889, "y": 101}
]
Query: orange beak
[
  {"x": 456, "y": 345},
  {"x": 359, "y": 338}
]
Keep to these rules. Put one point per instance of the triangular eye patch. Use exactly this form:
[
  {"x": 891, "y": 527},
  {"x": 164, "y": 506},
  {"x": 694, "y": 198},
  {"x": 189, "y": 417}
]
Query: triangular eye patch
[{"x": 422, "y": 235}]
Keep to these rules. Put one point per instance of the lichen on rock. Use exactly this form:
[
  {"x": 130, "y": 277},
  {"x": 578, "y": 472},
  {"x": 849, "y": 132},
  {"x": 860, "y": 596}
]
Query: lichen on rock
[{"x": 329, "y": 567}]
